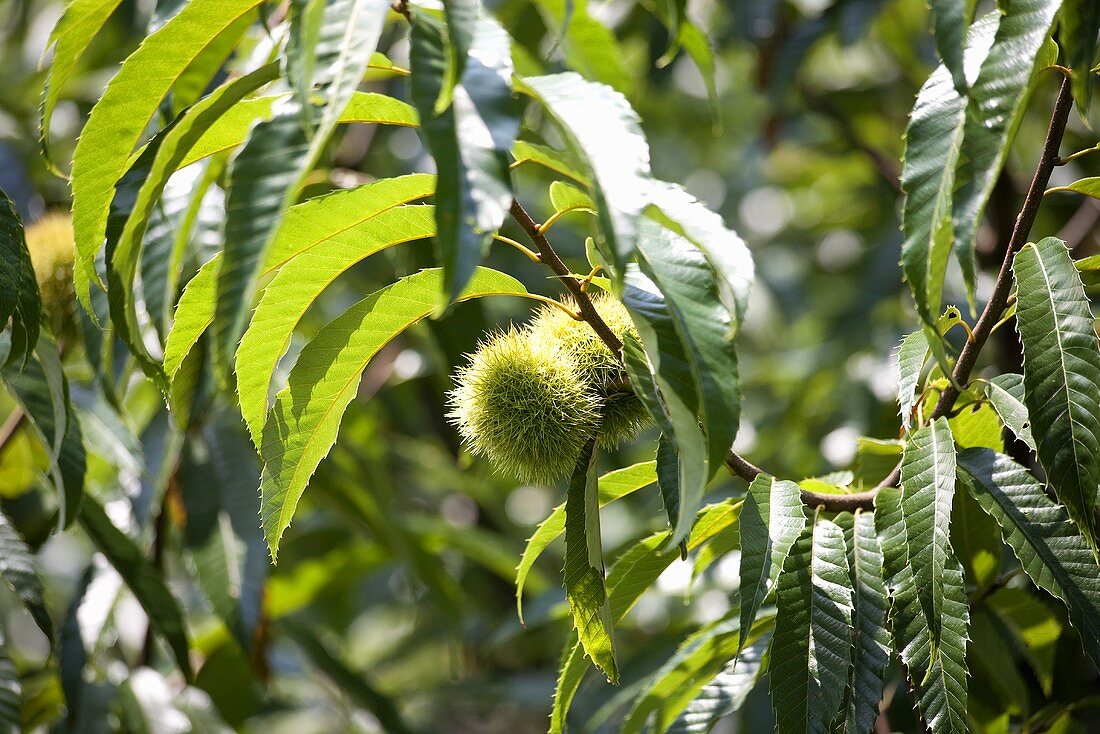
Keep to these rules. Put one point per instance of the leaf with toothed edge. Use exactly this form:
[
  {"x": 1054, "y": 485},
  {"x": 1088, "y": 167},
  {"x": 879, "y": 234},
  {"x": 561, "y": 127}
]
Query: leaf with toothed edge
[
  {"x": 20, "y": 301},
  {"x": 122, "y": 113},
  {"x": 911, "y": 356},
  {"x": 615, "y": 152},
  {"x": 771, "y": 521},
  {"x": 584, "y": 569},
  {"x": 1061, "y": 375},
  {"x": 1049, "y": 546},
  {"x": 303, "y": 423},
  {"x": 811, "y": 646},
  {"x": 469, "y": 137},
  {"x": 1006, "y": 395},
  {"x": 17, "y": 566},
  {"x": 612, "y": 486}
]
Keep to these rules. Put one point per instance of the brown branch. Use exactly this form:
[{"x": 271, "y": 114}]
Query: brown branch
[
  {"x": 998, "y": 300},
  {"x": 11, "y": 426}
]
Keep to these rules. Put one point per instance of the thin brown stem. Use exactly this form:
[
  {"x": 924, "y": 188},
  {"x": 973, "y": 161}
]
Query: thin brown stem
[
  {"x": 998, "y": 300},
  {"x": 11, "y": 427}
]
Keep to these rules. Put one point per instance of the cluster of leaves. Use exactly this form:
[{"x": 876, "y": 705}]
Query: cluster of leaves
[{"x": 200, "y": 249}]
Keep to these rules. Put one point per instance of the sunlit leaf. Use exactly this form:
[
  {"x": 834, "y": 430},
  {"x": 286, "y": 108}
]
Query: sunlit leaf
[
  {"x": 1006, "y": 395},
  {"x": 19, "y": 298}
]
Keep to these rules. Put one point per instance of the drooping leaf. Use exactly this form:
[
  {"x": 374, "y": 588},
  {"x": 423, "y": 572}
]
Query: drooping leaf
[
  {"x": 1061, "y": 375},
  {"x": 702, "y": 657},
  {"x": 927, "y": 493},
  {"x": 17, "y": 566},
  {"x": 726, "y": 692},
  {"x": 726, "y": 252},
  {"x": 911, "y": 355},
  {"x": 687, "y": 331},
  {"x": 812, "y": 647},
  {"x": 20, "y": 301},
  {"x": 588, "y": 45},
  {"x": 280, "y": 152},
  {"x": 998, "y": 97},
  {"x": 615, "y": 153},
  {"x": 870, "y": 638},
  {"x": 120, "y": 116},
  {"x": 43, "y": 393},
  {"x": 140, "y": 188},
  {"x": 469, "y": 139},
  {"x": 1080, "y": 21},
  {"x": 143, "y": 578},
  {"x": 558, "y": 161},
  {"x": 348, "y": 234},
  {"x": 1006, "y": 395},
  {"x": 668, "y": 479},
  {"x": 933, "y": 140},
  {"x": 612, "y": 486},
  {"x": 11, "y": 692},
  {"x": 70, "y": 38},
  {"x": 302, "y": 425},
  {"x": 1039, "y": 532},
  {"x": 949, "y": 21},
  {"x": 584, "y": 569},
  {"x": 771, "y": 521}
]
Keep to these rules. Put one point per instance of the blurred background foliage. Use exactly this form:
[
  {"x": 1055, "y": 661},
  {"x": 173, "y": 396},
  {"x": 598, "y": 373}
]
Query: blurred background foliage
[{"x": 392, "y": 606}]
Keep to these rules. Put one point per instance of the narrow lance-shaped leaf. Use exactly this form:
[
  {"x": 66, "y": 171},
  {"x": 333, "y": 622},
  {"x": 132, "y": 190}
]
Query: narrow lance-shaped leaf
[
  {"x": 1006, "y": 395},
  {"x": 615, "y": 151},
  {"x": 280, "y": 152},
  {"x": 70, "y": 38},
  {"x": 137, "y": 193},
  {"x": 469, "y": 139},
  {"x": 612, "y": 486},
  {"x": 122, "y": 114},
  {"x": 681, "y": 318},
  {"x": 1051, "y": 550},
  {"x": 303, "y": 424},
  {"x": 17, "y": 566},
  {"x": 927, "y": 492},
  {"x": 870, "y": 639},
  {"x": 584, "y": 570},
  {"x": 1061, "y": 375},
  {"x": 726, "y": 692},
  {"x": 949, "y": 21},
  {"x": 932, "y": 143},
  {"x": 303, "y": 278},
  {"x": 812, "y": 648},
  {"x": 20, "y": 301},
  {"x": 911, "y": 355},
  {"x": 998, "y": 97},
  {"x": 144, "y": 579},
  {"x": 11, "y": 692},
  {"x": 1080, "y": 20},
  {"x": 771, "y": 521}
]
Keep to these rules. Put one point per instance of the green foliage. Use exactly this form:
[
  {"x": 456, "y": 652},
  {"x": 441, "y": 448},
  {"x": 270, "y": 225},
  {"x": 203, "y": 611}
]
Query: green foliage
[{"x": 243, "y": 172}]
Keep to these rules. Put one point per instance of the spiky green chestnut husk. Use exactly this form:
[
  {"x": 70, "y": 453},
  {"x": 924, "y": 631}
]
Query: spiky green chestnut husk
[
  {"x": 525, "y": 407},
  {"x": 622, "y": 414},
  {"x": 51, "y": 244}
]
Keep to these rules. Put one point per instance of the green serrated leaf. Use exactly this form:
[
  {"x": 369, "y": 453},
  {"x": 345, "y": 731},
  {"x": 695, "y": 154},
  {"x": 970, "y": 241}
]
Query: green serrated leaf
[
  {"x": 567, "y": 198},
  {"x": 1089, "y": 187},
  {"x": 120, "y": 116},
  {"x": 870, "y": 638},
  {"x": 1061, "y": 375},
  {"x": 933, "y": 140},
  {"x": 726, "y": 692},
  {"x": 927, "y": 493},
  {"x": 1006, "y": 395},
  {"x": 469, "y": 139},
  {"x": 348, "y": 234},
  {"x": 950, "y": 19},
  {"x": 17, "y": 566},
  {"x": 20, "y": 301},
  {"x": 998, "y": 98},
  {"x": 558, "y": 161},
  {"x": 771, "y": 521},
  {"x": 589, "y": 46},
  {"x": 1039, "y": 532},
  {"x": 812, "y": 647},
  {"x": 303, "y": 424},
  {"x": 70, "y": 38},
  {"x": 615, "y": 153},
  {"x": 912, "y": 354},
  {"x": 584, "y": 569},
  {"x": 612, "y": 486}
]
